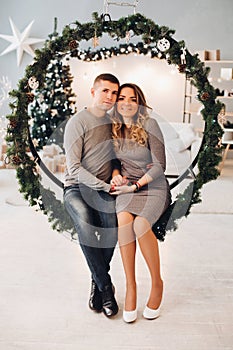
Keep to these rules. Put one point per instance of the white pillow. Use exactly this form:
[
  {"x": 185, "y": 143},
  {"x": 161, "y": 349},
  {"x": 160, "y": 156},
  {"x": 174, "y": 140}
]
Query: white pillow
[
  {"x": 175, "y": 145},
  {"x": 168, "y": 131},
  {"x": 187, "y": 135}
]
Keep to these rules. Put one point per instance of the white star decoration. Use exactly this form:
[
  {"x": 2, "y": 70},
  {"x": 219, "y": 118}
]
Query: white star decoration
[{"x": 20, "y": 41}]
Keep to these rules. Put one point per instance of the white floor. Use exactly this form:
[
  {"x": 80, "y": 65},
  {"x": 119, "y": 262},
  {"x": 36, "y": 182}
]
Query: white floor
[{"x": 44, "y": 286}]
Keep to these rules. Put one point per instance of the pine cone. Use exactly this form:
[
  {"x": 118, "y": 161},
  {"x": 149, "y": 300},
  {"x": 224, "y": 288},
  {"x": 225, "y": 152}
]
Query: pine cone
[
  {"x": 205, "y": 96},
  {"x": 16, "y": 160},
  {"x": 73, "y": 44},
  {"x": 13, "y": 124},
  {"x": 181, "y": 68},
  {"x": 30, "y": 97}
]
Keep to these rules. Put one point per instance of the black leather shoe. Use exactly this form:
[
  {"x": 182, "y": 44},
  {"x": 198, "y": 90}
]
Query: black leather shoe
[
  {"x": 95, "y": 301},
  {"x": 110, "y": 307}
]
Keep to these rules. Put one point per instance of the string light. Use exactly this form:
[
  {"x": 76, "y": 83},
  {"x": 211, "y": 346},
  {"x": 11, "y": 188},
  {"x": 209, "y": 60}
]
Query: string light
[
  {"x": 125, "y": 49},
  {"x": 5, "y": 87}
]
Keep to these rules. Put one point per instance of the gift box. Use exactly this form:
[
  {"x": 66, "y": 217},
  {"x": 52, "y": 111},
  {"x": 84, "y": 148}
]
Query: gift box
[
  {"x": 59, "y": 159},
  {"x": 53, "y": 158},
  {"x": 60, "y": 168},
  {"x": 50, "y": 164},
  {"x": 51, "y": 150}
]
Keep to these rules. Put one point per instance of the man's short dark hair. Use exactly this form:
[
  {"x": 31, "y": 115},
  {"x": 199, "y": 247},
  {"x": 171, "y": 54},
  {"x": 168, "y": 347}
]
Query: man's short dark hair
[{"x": 108, "y": 77}]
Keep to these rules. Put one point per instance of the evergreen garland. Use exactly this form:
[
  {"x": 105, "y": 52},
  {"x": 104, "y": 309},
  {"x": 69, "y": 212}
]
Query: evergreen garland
[{"x": 67, "y": 45}]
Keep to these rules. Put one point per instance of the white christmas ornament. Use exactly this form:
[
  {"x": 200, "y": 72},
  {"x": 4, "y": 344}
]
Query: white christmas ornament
[
  {"x": 20, "y": 41},
  {"x": 33, "y": 83},
  {"x": 182, "y": 56},
  {"x": 163, "y": 44}
]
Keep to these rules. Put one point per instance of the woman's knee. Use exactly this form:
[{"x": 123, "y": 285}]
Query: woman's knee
[
  {"x": 141, "y": 226},
  {"x": 125, "y": 228},
  {"x": 124, "y": 218}
]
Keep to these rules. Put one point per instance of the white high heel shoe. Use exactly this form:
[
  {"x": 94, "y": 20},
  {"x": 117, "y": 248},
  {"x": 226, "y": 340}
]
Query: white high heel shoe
[
  {"x": 130, "y": 316},
  {"x": 151, "y": 314}
]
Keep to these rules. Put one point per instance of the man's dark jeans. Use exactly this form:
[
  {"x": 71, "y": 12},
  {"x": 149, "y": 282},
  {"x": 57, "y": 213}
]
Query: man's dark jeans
[{"x": 94, "y": 217}]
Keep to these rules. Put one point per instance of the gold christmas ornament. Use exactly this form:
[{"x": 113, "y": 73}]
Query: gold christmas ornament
[
  {"x": 95, "y": 41},
  {"x": 127, "y": 37}
]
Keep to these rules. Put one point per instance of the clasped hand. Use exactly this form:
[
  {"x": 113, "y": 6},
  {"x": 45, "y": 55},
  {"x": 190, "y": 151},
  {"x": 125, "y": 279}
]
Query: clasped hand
[{"x": 120, "y": 185}]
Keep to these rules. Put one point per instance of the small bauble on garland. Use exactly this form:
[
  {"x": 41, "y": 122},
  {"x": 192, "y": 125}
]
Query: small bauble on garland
[
  {"x": 105, "y": 18},
  {"x": 33, "y": 83},
  {"x": 183, "y": 56},
  {"x": 95, "y": 41},
  {"x": 163, "y": 44},
  {"x": 156, "y": 41},
  {"x": 222, "y": 117}
]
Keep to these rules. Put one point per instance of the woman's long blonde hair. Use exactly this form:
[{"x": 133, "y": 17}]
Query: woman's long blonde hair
[{"x": 137, "y": 131}]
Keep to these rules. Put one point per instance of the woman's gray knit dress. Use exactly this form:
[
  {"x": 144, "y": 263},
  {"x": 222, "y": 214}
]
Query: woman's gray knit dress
[{"x": 153, "y": 199}]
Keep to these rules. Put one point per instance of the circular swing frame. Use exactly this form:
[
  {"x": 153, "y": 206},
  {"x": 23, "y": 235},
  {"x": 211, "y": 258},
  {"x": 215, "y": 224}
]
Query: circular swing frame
[{"x": 18, "y": 135}]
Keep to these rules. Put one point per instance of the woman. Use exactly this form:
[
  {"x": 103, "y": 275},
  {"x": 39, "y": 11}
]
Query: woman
[{"x": 143, "y": 193}]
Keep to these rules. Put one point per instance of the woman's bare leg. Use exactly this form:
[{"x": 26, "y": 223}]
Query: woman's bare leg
[
  {"x": 127, "y": 243},
  {"x": 150, "y": 251}
]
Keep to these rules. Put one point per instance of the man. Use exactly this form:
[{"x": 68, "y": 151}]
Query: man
[{"x": 89, "y": 153}]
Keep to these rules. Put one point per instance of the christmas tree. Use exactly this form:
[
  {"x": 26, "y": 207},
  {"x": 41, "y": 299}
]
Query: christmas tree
[{"x": 53, "y": 105}]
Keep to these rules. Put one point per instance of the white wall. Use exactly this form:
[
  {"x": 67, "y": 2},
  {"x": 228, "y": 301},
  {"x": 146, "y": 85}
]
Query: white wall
[
  {"x": 162, "y": 84},
  {"x": 202, "y": 24}
]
